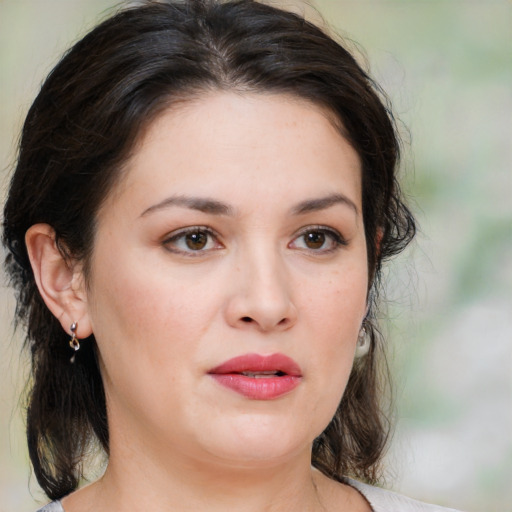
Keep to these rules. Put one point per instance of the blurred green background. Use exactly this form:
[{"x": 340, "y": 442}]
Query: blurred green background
[{"x": 447, "y": 66}]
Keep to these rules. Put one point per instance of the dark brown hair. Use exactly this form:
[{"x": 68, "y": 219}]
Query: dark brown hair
[{"x": 81, "y": 129}]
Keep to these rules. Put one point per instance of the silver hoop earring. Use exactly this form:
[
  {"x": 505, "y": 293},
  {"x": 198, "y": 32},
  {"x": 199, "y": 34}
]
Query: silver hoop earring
[
  {"x": 73, "y": 342},
  {"x": 363, "y": 344}
]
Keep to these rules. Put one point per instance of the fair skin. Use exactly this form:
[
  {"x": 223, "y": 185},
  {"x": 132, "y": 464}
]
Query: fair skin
[{"x": 236, "y": 229}]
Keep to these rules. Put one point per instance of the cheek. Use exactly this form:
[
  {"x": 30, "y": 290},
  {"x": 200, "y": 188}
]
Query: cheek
[
  {"x": 147, "y": 329},
  {"x": 338, "y": 303},
  {"x": 147, "y": 318},
  {"x": 335, "y": 317}
]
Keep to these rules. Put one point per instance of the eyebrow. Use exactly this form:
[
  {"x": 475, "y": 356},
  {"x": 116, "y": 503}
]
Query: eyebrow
[
  {"x": 322, "y": 203},
  {"x": 202, "y": 204},
  {"x": 215, "y": 207}
]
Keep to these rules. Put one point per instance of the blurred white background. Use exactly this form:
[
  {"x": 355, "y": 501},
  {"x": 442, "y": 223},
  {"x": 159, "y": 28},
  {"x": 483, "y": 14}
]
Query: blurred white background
[{"x": 447, "y": 66}]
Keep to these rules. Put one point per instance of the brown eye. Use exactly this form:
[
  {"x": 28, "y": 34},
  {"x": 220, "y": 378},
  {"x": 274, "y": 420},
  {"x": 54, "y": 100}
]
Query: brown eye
[
  {"x": 318, "y": 240},
  {"x": 196, "y": 241},
  {"x": 193, "y": 241},
  {"x": 314, "y": 239}
]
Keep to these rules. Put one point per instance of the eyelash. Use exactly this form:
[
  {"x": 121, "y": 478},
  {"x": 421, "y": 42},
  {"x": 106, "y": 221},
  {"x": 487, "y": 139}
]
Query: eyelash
[
  {"x": 181, "y": 235},
  {"x": 336, "y": 237},
  {"x": 170, "y": 242}
]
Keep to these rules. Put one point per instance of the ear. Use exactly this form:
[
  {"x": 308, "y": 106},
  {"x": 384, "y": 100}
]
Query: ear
[
  {"x": 379, "y": 235},
  {"x": 60, "y": 282}
]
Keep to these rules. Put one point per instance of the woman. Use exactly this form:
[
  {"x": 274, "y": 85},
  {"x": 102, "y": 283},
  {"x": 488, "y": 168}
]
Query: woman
[{"x": 198, "y": 264}]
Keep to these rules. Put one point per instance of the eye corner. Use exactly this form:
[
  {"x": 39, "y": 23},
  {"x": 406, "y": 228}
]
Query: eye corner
[
  {"x": 192, "y": 241},
  {"x": 324, "y": 240}
]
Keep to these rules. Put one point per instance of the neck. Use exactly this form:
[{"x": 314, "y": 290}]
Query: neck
[
  {"x": 143, "y": 483},
  {"x": 149, "y": 478},
  {"x": 146, "y": 472}
]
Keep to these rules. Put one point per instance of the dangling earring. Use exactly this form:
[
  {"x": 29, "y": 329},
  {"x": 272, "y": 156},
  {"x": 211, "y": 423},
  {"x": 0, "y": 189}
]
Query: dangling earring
[
  {"x": 73, "y": 342},
  {"x": 363, "y": 343}
]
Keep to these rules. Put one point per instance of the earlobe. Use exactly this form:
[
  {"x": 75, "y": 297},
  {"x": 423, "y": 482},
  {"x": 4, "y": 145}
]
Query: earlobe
[{"x": 59, "y": 282}]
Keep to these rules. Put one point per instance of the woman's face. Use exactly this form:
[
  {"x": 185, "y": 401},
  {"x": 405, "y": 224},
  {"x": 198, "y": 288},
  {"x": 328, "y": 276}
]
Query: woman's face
[{"x": 228, "y": 280}]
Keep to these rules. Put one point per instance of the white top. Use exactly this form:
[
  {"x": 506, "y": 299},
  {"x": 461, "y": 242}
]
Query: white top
[
  {"x": 379, "y": 499},
  {"x": 387, "y": 501}
]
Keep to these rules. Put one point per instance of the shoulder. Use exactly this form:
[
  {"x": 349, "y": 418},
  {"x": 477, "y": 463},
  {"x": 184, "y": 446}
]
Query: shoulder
[
  {"x": 379, "y": 499},
  {"x": 54, "y": 506},
  {"x": 387, "y": 501}
]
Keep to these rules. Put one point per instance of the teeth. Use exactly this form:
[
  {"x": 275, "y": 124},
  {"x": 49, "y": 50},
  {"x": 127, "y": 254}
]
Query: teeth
[{"x": 260, "y": 375}]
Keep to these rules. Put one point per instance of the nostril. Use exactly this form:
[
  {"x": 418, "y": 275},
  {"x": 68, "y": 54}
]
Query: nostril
[{"x": 247, "y": 319}]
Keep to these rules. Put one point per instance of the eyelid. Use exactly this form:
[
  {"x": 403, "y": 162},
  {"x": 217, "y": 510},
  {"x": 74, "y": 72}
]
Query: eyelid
[
  {"x": 182, "y": 232},
  {"x": 337, "y": 237}
]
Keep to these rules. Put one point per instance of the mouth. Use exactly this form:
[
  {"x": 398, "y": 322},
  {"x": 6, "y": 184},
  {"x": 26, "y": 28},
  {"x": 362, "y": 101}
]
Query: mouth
[
  {"x": 263, "y": 375},
  {"x": 259, "y": 366},
  {"x": 259, "y": 377}
]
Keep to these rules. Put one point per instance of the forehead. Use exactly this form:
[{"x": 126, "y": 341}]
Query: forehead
[{"x": 224, "y": 142}]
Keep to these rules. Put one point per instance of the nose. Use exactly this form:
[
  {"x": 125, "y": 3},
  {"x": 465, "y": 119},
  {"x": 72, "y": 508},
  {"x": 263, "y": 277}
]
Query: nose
[{"x": 261, "y": 297}]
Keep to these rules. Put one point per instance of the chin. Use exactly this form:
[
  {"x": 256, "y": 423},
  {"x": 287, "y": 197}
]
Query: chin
[
  {"x": 256, "y": 455},
  {"x": 257, "y": 441}
]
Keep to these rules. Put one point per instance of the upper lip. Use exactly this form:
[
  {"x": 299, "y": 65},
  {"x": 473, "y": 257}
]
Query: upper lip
[{"x": 255, "y": 363}]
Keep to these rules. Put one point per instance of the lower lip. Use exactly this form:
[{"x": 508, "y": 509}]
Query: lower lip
[{"x": 264, "y": 388}]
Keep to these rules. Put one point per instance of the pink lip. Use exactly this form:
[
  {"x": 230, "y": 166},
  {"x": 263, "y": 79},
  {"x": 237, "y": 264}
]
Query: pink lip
[{"x": 229, "y": 374}]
